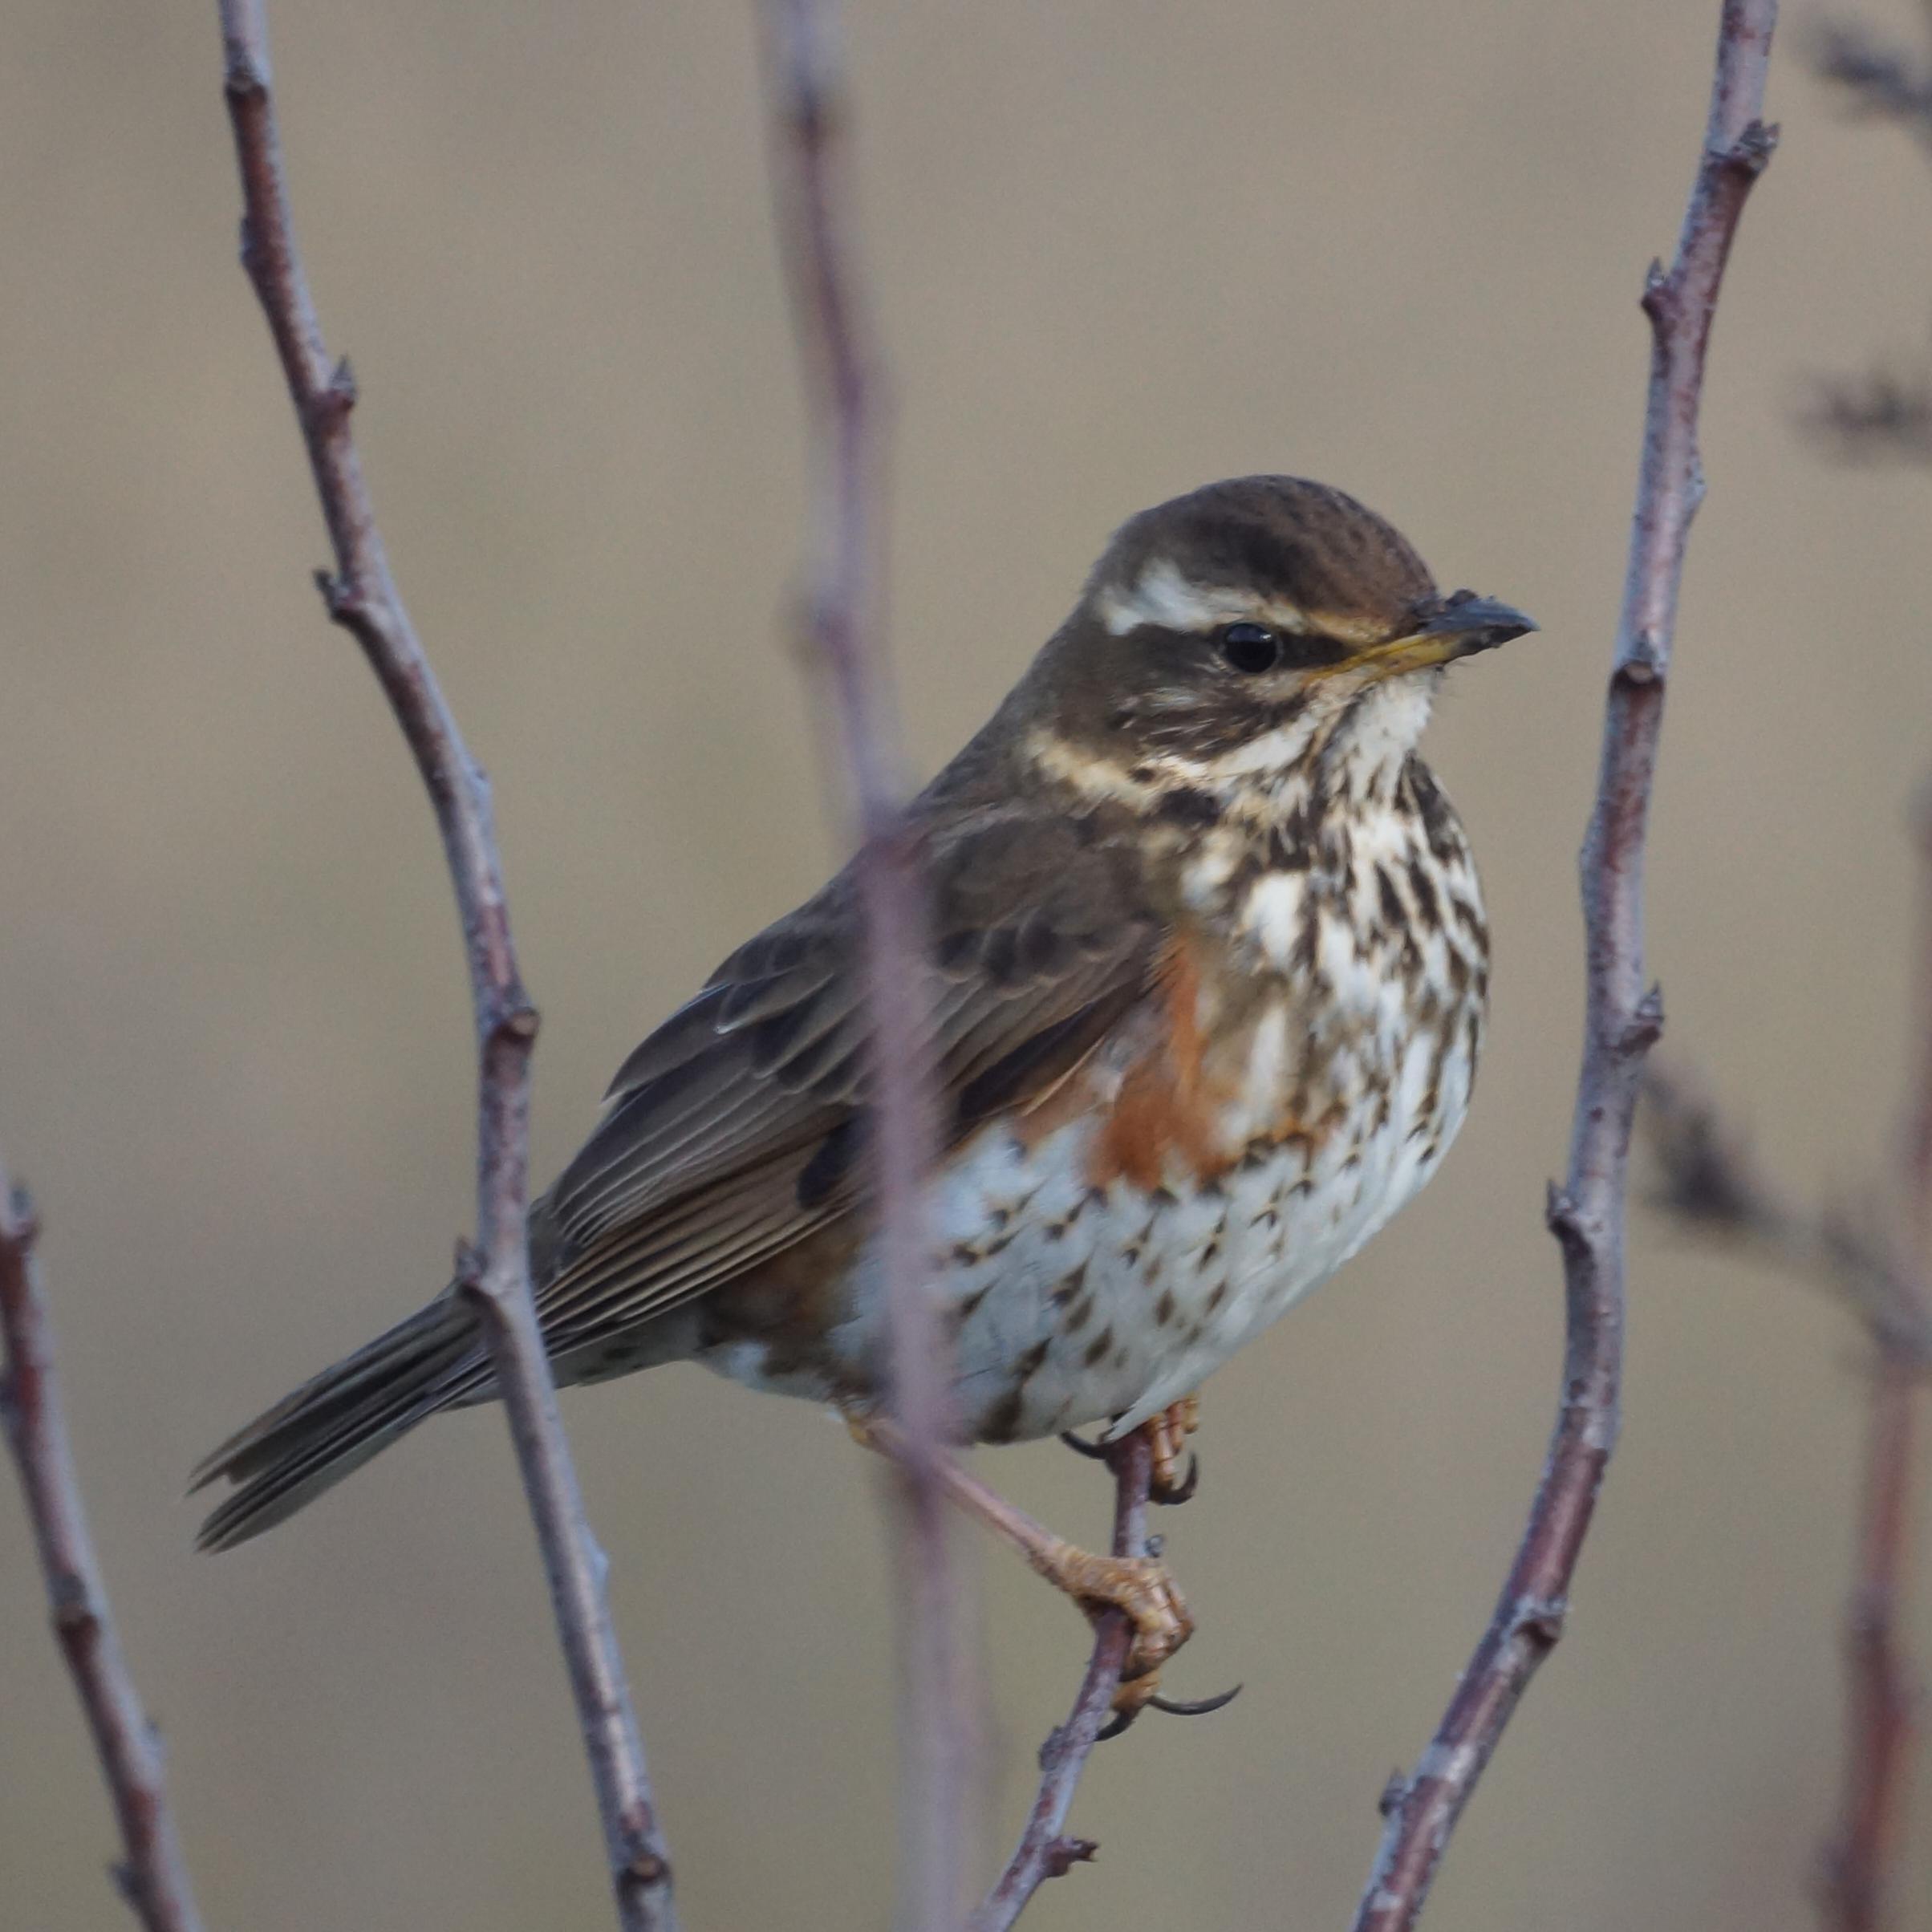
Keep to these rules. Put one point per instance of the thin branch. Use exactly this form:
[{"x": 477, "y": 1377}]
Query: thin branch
[
  {"x": 1045, "y": 1850},
  {"x": 154, "y": 1880},
  {"x": 1622, "y": 1015},
  {"x": 804, "y": 83},
  {"x": 362, "y": 597}
]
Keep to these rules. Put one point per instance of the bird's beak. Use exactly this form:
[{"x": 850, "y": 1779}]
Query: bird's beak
[{"x": 1461, "y": 626}]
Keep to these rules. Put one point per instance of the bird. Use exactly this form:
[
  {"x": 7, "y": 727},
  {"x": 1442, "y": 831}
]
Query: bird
[{"x": 1206, "y": 981}]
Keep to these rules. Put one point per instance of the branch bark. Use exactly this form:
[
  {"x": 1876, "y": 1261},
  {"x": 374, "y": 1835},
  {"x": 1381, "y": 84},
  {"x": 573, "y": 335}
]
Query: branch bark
[
  {"x": 1045, "y": 1850},
  {"x": 154, "y": 1879},
  {"x": 362, "y": 597},
  {"x": 843, "y": 627},
  {"x": 1622, "y": 1017}
]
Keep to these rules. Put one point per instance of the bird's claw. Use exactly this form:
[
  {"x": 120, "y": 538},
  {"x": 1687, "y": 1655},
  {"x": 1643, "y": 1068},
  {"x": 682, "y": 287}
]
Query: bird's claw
[
  {"x": 1165, "y": 1490},
  {"x": 1140, "y": 1588},
  {"x": 1138, "y": 1695},
  {"x": 1167, "y": 1434}
]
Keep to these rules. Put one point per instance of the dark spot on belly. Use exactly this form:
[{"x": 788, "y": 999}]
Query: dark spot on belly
[
  {"x": 1079, "y": 1314},
  {"x": 1424, "y": 889},
  {"x": 1218, "y": 1296},
  {"x": 1393, "y": 915},
  {"x": 1069, "y": 1286},
  {"x": 1097, "y": 1349},
  {"x": 1164, "y": 1308},
  {"x": 1002, "y": 1419},
  {"x": 1287, "y": 855}
]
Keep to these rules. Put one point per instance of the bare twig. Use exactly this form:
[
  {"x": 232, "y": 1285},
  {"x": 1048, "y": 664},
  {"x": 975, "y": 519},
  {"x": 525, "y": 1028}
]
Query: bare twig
[
  {"x": 153, "y": 1879},
  {"x": 1622, "y": 1015},
  {"x": 1045, "y": 1850},
  {"x": 362, "y": 597},
  {"x": 815, "y": 225}
]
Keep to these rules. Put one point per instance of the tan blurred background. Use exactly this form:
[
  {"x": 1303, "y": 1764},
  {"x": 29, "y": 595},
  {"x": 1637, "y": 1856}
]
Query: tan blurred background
[{"x": 1119, "y": 249}]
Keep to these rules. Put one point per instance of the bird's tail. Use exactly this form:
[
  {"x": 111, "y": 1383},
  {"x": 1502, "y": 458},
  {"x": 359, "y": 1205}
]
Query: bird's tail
[{"x": 311, "y": 1439}]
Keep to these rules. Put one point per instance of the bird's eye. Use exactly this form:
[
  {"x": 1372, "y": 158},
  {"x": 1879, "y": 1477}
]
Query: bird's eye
[{"x": 1249, "y": 648}]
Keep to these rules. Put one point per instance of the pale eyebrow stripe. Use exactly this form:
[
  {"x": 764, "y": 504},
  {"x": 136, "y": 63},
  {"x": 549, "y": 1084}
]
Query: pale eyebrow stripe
[{"x": 1163, "y": 597}]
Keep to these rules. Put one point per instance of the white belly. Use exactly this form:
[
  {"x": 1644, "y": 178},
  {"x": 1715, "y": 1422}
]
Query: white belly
[{"x": 1074, "y": 1304}]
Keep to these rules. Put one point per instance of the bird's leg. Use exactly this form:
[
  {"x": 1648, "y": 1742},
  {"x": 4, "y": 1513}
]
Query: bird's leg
[
  {"x": 1167, "y": 1434},
  {"x": 1140, "y": 1587}
]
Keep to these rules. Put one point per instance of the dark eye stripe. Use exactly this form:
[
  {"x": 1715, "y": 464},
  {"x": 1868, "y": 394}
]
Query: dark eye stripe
[{"x": 1314, "y": 652}]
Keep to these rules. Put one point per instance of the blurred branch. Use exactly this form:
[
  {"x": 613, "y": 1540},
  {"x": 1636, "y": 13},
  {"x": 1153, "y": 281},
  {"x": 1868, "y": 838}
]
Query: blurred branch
[
  {"x": 811, "y": 190},
  {"x": 154, "y": 1879},
  {"x": 362, "y": 597},
  {"x": 1881, "y": 1695},
  {"x": 1710, "y": 1183},
  {"x": 1045, "y": 1850},
  {"x": 1877, "y": 78},
  {"x": 1884, "y": 417},
  {"x": 1622, "y": 1017},
  {"x": 1877, "y": 416}
]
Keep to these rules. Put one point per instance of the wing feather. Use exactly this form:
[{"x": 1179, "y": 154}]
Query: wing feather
[{"x": 734, "y": 1130}]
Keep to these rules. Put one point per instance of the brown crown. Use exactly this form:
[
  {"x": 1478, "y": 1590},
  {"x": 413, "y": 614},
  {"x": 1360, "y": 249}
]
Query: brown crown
[{"x": 1303, "y": 544}]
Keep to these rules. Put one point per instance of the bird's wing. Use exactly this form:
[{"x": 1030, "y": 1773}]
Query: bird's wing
[{"x": 738, "y": 1128}]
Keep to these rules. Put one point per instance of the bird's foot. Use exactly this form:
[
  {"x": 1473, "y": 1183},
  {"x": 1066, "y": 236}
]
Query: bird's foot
[{"x": 1141, "y": 1588}]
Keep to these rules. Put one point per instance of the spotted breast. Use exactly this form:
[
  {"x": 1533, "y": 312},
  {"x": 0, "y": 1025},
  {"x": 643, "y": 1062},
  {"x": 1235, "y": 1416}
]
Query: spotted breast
[
  {"x": 1208, "y": 968},
  {"x": 1296, "y": 1073}
]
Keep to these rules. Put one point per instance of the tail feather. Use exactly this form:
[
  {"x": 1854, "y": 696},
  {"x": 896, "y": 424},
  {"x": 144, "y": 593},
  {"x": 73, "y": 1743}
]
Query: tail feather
[{"x": 334, "y": 1424}]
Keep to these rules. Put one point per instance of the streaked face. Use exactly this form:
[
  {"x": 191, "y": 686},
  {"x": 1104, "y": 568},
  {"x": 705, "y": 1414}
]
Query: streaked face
[{"x": 1230, "y": 633}]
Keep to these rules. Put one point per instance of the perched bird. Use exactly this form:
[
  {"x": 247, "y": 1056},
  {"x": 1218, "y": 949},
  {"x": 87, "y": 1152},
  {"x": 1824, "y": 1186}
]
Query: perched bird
[{"x": 1208, "y": 985}]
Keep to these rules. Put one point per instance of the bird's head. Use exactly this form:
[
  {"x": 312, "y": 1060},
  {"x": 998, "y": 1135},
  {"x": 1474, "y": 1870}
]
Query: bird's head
[{"x": 1228, "y": 636}]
